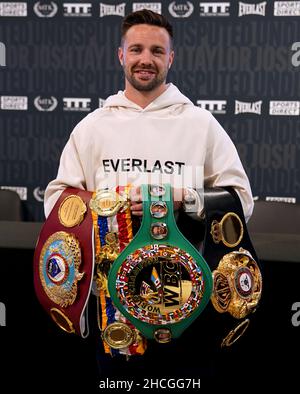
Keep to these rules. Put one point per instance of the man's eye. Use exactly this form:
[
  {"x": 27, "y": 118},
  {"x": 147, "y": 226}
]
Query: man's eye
[{"x": 135, "y": 50}]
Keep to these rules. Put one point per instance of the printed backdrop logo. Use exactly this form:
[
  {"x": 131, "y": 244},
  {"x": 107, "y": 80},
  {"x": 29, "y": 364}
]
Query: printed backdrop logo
[
  {"x": 252, "y": 9},
  {"x": 287, "y": 8},
  {"x": 109, "y": 9},
  {"x": 38, "y": 194},
  {"x": 155, "y": 7},
  {"x": 17, "y": 103},
  {"x": 214, "y": 9},
  {"x": 45, "y": 103},
  {"x": 214, "y": 106},
  {"x": 2, "y": 315},
  {"x": 2, "y": 54},
  {"x": 77, "y": 9},
  {"x": 76, "y": 104},
  {"x": 242, "y": 107},
  {"x": 21, "y": 190},
  {"x": 296, "y": 55},
  {"x": 181, "y": 10},
  {"x": 288, "y": 200},
  {"x": 286, "y": 108},
  {"x": 44, "y": 10},
  {"x": 13, "y": 9}
]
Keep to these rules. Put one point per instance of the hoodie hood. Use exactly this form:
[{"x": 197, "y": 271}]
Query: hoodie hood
[{"x": 170, "y": 97}]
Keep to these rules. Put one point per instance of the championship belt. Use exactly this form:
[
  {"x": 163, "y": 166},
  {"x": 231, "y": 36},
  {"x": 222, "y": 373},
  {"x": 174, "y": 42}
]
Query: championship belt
[
  {"x": 237, "y": 280},
  {"x": 113, "y": 231},
  {"x": 64, "y": 262},
  {"x": 160, "y": 282}
]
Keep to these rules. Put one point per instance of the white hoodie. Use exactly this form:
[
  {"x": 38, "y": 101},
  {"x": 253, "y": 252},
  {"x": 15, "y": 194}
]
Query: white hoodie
[{"x": 170, "y": 140}]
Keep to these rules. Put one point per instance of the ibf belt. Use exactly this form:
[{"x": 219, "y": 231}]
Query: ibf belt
[
  {"x": 160, "y": 282},
  {"x": 64, "y": 260},
  {"x": 113, "y": 231}
]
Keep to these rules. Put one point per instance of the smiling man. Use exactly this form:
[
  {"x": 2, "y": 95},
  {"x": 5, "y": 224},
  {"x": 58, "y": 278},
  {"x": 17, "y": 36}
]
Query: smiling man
[{"x": 151, "y": 133}]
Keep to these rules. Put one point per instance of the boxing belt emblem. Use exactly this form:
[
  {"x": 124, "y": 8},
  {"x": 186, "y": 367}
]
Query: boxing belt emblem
[{"x": 160, "y": 282}]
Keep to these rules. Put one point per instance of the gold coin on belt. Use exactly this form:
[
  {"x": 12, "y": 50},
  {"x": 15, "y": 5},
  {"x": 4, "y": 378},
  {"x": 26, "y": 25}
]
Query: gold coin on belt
[
  {"x": 118, "y": 335},
  {"x": 107, "y": 202},
  {"x": 71, "y": 211}
]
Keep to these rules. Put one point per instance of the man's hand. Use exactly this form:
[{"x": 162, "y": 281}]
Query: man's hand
[{"x": 136, "y": 204}]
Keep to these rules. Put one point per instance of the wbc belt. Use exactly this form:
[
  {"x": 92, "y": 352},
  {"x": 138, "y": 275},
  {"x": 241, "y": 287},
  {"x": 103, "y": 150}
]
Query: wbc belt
[
  {"x": 237, "y": 280},
  {"x": 160, "y": 282},
  {"x": 64, "y": 261}
]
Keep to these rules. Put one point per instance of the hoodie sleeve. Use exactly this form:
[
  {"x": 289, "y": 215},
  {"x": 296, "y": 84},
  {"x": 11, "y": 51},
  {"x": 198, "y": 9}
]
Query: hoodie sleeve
[
  {"x": 70, "y": 174},
  {"x": 223, "y": 166}
]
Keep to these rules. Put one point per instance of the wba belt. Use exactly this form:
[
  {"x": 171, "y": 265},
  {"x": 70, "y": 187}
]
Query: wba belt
[
  {"x": 64, "y": 261},
  {"x": 160, "y": 282}
]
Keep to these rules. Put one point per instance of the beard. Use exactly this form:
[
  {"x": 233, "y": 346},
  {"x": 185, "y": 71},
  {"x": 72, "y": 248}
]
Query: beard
[{"x": 145, "y": 86}]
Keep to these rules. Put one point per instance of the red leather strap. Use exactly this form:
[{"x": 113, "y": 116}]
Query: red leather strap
[{"x": 84, "y": 234}]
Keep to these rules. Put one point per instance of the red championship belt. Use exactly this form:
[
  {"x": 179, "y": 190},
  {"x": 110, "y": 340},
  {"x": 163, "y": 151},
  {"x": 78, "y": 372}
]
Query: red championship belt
[{"x": 64, "y": 261}]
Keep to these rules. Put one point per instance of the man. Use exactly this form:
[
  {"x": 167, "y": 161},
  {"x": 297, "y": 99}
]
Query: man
[
  {"x": 118, "y": 143},
  {"x": 148, "y": 132}
]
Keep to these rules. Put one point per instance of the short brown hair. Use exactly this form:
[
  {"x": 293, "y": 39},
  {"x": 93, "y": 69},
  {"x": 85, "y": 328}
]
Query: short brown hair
[{"x": 145, "y": 17}]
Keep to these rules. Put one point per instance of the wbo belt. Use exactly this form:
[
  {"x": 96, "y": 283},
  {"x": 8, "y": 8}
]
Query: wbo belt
[
  {"x": 160, "y": 282},
  {"x": 237, "y": 280},
  {"x": 64, "y": 262}
]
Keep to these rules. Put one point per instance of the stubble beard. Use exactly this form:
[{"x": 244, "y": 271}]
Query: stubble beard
[{"x": 154, "y": 83}]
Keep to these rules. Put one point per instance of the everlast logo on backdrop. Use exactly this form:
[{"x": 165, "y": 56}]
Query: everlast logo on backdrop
[
  {"x": 289, "y": 108},
  {"x": 155, "y": 7},
  {"x": 45, "y": 103},
  {"x": 14, "y": 103},
  {"x": 109, "y": 9},
  {"x": 214, "y": 9},
  {"x": 13, "y": 9},
  {"x": 252, "y": 9},
  {"x": 2, "y": 54},
  {"x": 182, "y": 10},
  {"x": 251, "y": 108},
  {"x": 287, "y": 8},
  {"x": 77, "y": 9},
  {"x": 45, "y": 10},
  {"x": 213, "y": 106},
  {"x": 77, "y": 104}
]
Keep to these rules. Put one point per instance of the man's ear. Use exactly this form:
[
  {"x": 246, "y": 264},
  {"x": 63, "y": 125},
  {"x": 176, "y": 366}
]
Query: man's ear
[{"x": 121, "y": 55}]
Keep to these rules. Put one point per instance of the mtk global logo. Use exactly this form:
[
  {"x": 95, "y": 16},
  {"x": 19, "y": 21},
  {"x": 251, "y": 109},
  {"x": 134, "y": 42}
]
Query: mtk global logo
[
  {"x": 181, "y": 10},
  {"x": 38, "y": 194},
  {"x": 45, "y": 103},
  {"x": 45, "y": 9}
]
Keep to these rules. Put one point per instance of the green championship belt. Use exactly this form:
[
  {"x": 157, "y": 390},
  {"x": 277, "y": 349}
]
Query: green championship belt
[{"x": 160, "y": 282}]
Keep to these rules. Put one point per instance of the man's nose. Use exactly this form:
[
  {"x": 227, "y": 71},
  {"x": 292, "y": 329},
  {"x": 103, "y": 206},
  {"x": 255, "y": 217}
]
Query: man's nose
[{"x": 146, "y": 57}]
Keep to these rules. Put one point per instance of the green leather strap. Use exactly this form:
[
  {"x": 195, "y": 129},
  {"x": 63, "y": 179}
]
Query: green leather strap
[{"x": 183, "y": 278}]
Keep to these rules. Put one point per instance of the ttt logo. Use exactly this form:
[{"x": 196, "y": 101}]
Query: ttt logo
[
  {"x": 2, "y": 315},
  {"x": 2, "y": 55},
  {"x": 296, "y": 55},
  {"x": 296, "y": 315}
]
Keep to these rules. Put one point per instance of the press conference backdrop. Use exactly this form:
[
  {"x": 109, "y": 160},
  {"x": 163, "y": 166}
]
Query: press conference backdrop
[{"x": 239, "y": 60}]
